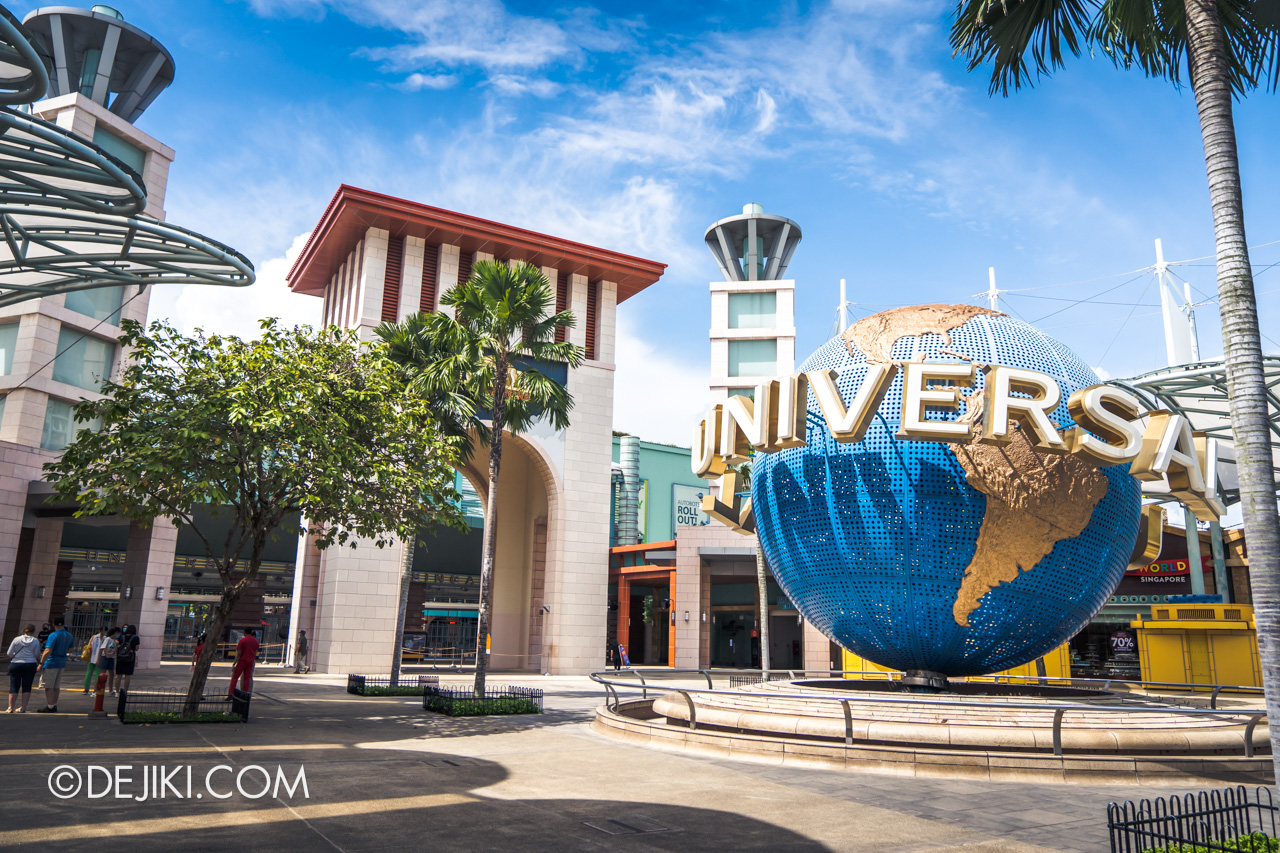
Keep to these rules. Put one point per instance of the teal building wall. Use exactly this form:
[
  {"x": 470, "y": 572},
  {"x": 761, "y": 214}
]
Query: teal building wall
[{"x": 662, "y": 466}]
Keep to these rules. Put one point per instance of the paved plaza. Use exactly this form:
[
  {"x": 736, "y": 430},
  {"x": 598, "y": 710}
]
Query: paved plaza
[{"x": 383, "y": 775}]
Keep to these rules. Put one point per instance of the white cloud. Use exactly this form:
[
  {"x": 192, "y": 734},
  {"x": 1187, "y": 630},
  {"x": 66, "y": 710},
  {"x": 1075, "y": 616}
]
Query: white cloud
[
  {"x": 417, "y": 81},
  {"x": 236, "y": 310},
  {"x": 642, "y": 369}
]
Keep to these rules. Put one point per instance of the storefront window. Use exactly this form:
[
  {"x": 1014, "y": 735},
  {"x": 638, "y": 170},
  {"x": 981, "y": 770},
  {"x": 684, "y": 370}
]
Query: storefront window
[
  {"x": 753, "y": 310},
  {"x": 753, "y": 358},
  {"x": 8, "y": 343},
  {"x": 99, "y": 303},
  {"x": 83, "y": 362}
]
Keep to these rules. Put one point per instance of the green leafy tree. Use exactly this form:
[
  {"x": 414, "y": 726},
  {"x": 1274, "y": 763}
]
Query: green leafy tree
[
  {"x": 297, "y": 421},
  {"x": 1223, "y": 48},
  {"x": 483, "y": 359}
]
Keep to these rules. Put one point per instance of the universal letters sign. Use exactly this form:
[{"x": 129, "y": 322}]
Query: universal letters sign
[{"x": 1107, "y": 430}]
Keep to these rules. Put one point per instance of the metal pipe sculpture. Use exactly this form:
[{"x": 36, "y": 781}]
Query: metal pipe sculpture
[{"x": 70, "y": 213}]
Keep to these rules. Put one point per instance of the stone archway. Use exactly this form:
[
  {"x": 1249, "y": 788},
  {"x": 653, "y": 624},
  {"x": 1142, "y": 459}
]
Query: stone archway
[{"x": 529, "y": 502}]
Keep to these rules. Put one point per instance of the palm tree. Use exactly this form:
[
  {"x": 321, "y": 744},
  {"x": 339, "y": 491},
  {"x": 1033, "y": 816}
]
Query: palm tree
[
  {"x": 483, "y": 360},
  {"x": 410, "y": 345},
  {"x": 1225, "y": 48}
]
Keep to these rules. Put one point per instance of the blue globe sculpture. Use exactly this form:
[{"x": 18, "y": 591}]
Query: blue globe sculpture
[{"x": 951, "y": 559}]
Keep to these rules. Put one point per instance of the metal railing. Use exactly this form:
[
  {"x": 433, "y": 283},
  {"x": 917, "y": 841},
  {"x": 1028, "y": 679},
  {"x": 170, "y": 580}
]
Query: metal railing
[
  {"x": 1209, "y": 820},
  {"x": 1060, "y": 709}
]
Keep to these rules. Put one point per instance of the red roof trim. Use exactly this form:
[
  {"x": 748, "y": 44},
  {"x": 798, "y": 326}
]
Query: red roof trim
[{"x": 352, "y": 211}]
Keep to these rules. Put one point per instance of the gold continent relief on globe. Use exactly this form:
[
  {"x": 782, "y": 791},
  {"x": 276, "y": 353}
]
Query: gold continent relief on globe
[{"x": 1034, "y": 499}]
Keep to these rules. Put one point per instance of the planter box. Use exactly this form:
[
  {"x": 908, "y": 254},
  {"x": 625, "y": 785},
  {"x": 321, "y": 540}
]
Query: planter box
[
  {"x": 380, "y": 685},
  {"x": 463, "y": 702},
  {"x": 165, "y": 706}
]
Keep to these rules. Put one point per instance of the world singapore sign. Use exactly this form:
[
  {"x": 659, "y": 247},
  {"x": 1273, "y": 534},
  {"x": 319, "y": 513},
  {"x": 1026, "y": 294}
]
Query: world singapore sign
[{"x": 945, "y": 490}]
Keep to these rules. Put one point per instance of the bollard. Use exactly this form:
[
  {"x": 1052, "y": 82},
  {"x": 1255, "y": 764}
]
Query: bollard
[{"x": 101, "y": 691}]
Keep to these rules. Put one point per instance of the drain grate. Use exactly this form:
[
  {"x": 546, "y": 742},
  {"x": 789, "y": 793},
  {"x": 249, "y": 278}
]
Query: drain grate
[{"x": 629, "y": 825}]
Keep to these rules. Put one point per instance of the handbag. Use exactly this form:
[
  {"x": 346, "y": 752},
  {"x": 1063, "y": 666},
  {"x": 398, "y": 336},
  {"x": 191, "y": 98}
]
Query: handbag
[{"x": 87, "y": 651}]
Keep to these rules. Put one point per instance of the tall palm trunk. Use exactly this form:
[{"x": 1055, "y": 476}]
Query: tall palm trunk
[
  {"x": 491, "y": 519},
  {"x": 1240, "y": 340},
  {"x": 763, "y": 586},
  {"x": 406, "y": 577}
]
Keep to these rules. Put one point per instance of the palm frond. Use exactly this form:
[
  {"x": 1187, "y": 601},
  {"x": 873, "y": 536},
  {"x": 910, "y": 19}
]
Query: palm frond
[{"x": 1003, "y": 32}]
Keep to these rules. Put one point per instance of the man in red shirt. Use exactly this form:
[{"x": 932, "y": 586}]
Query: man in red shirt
[{"x": 246, "y": 656}]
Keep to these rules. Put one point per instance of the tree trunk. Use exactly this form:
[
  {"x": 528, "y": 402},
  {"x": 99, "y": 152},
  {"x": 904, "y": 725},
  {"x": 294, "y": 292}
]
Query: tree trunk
[
  {"x": 763, "y": 586},
  {"x": 490, "y": 522},
  {"x": 213, "y": 639},
  {"x": 1241, "y": 341},
  {"x": 406, "y": 577}
]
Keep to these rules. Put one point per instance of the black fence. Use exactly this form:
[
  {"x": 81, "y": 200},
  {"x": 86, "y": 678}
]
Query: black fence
[
  {"x": 1226, "y": 820},
  {"x": 380, "y": 685},
  {"x": 160, "y": 706},
  {"x": 463, "y": 701}
]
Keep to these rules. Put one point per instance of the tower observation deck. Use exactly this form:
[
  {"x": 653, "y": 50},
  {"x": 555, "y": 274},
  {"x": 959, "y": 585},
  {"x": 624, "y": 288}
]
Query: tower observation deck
[{"x": 94, "y": 52}]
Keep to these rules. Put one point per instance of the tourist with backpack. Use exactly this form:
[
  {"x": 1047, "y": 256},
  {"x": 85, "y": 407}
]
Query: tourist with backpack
[
  {"x": 107, "y": 657},
  {"x": 126, "y": 657}
]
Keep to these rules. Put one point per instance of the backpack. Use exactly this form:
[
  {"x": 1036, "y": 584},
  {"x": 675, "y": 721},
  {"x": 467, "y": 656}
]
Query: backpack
[
  {"x": 125, "y": 653},
  {"x": 87, "y": 651}
]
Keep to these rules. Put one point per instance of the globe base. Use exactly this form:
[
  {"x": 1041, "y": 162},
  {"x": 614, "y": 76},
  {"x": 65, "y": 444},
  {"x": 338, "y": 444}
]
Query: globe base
[{"x": 926, "y": 681}]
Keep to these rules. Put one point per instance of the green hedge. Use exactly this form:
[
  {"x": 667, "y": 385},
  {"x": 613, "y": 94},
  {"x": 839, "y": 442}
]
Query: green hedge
[
  {"x": 176, "y": 717},
  {"x": 481, "y": 707},
  {"x": 1256, "y": 842},
  {"x": 402, "y": 690}
]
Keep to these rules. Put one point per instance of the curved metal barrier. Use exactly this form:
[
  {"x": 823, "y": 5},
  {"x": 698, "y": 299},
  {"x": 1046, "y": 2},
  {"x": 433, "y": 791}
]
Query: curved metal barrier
[
  {"x": 70, "y": 212},
  {"x": 1250, "y": 717}
]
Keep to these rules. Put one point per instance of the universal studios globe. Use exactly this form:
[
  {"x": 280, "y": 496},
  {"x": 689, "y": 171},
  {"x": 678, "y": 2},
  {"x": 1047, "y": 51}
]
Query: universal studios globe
[{"x": 944, "y": 559}]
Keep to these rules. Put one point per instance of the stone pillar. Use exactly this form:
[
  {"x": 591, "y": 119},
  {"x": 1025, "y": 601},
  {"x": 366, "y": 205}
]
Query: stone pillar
[
  {"x": 357, "y": 602},
  {"x": 817, "y": 648},
  {"x": 302, "y": 608},
  {"x": 42, "y": 572},
  {"x": 1219, "y": 562},
  {"x": 148, "y": 566}
]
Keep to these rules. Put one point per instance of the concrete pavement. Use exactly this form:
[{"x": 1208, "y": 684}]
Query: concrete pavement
[{"x": 383, "y": 775}]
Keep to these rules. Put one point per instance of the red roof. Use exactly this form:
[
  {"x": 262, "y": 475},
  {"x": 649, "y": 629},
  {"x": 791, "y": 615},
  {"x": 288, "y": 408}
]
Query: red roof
[{"x": 352, "y": 211}]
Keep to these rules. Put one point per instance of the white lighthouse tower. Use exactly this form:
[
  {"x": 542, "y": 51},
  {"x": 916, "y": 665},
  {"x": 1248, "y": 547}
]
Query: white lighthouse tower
[{"x": 753, "y": 329}]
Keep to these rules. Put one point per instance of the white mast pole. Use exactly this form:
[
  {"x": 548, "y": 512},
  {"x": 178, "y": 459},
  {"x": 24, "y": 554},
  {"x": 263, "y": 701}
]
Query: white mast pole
[
  {"x": 993, "y": 295},
  {"x": 844, "y": 311}
]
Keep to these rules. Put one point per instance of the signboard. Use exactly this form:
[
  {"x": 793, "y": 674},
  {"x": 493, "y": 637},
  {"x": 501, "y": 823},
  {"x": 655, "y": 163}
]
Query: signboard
[
  {"x": 686, "y": 502},
  {"x": 1167, "y": 577}
]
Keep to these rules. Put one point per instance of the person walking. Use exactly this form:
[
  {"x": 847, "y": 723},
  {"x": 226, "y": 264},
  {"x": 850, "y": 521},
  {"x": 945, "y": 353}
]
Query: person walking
[
  {"x": 53, "y": 662},
  {"x": 300, "y": 653},
  {"x": 24, "y": 656},
  {"x": 45, "y": 630},
  {"x": 242, "y": 669},
  {"x": 95, "y": 653},
  {"x": 126, "y": 656},
  {"x": 195, "y": 655},
  {"x": 107, "y": 658}
]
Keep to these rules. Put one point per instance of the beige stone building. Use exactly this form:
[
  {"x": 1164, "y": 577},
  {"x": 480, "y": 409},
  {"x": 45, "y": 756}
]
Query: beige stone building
[{"x": 373, "y": 258}]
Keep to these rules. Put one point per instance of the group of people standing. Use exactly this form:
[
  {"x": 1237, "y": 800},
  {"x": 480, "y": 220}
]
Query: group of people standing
[{"x": 113, "y": 651}]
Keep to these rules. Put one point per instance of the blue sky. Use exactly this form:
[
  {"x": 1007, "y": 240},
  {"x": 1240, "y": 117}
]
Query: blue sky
[{"x": 636, "y": 126}]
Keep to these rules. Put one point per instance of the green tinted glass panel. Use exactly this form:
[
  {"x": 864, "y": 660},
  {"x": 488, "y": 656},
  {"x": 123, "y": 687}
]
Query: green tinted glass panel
[
  {"x": 8, "y": 343},
  {"x": 83, "y": 362},
  {"x": 100, "y": 303},
  {"x": 753, "y": 310},
  {"x": 753, "y": 358},
  {"x": 126, "y": 152}
]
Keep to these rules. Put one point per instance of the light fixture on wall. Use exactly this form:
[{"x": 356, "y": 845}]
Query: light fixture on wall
[
  {"x": 704, "y": 617},
  {"x": 128, "y": 592},
  {"x": 159, "y": 593},
  {"x": 39, "y": 592},
  {"x": 686, "y": 616}
]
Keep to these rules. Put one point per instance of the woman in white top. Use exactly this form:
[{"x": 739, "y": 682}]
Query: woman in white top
[
  {"x": 107, "y": 656},
  {"x": 24, "y": 657},
  {"x": 95, "y": 650}
]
